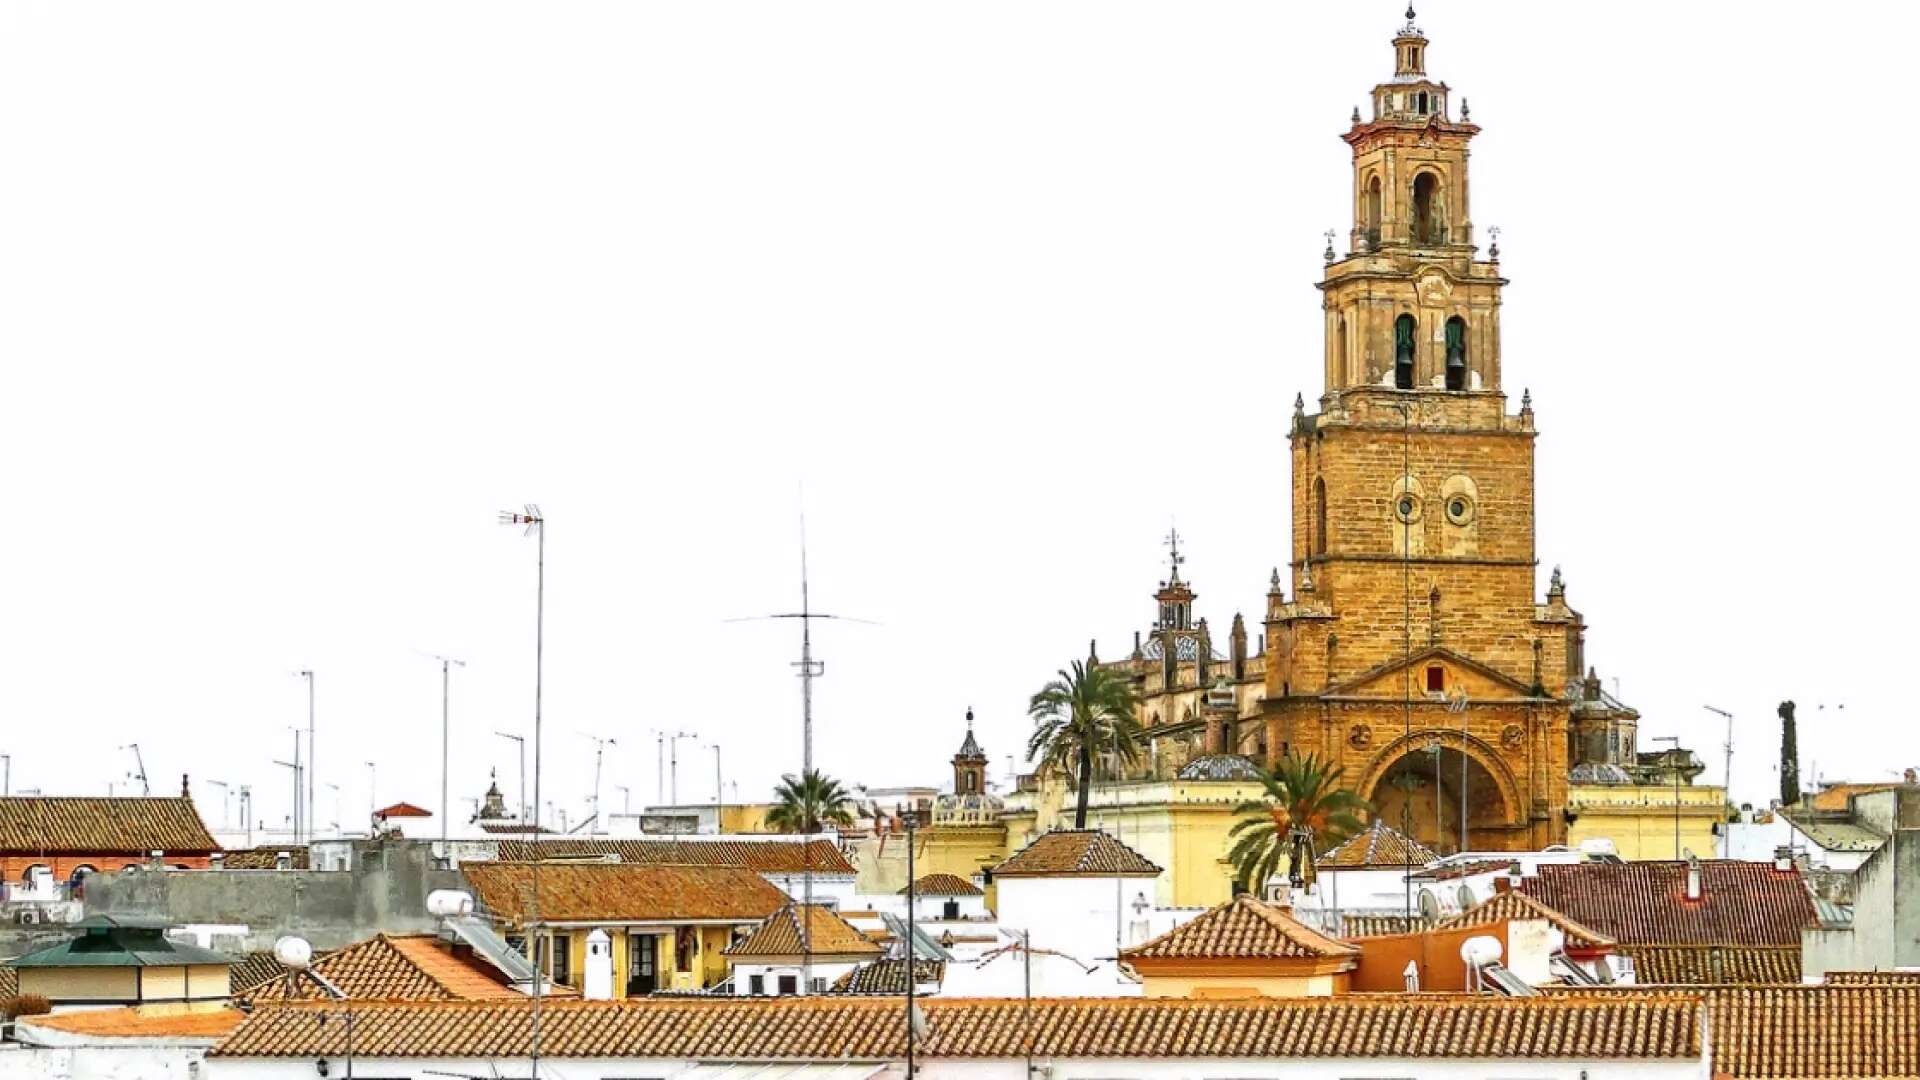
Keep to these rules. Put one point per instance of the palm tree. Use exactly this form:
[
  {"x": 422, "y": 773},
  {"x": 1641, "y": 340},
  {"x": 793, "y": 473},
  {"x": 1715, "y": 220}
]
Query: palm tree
[
  {"x": 1088, "y": 710},
  {"x": 1304, "y": 804},
  {"x": 809, "y": 803}
]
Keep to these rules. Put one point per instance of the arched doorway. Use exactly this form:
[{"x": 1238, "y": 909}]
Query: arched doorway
[{"x": 1418, "y": 788}]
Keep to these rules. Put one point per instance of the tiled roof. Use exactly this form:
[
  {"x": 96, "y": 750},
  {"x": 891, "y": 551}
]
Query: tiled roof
[
  {"x": 827, "y": 935},
  {"x": 1783, "y": 1032},
  {"x": 841, "y": 1028},
  {"x": 1077, "y": 853},
  {"x": 1837, "y": 835},
  {"x": 1373, "y": 925},
  {"x": 402, "y": 809},
  {"x": 1836, "y": 796},
  {"x": 147, "y": 1022},
  {"x": 1503, "y": 906},
  {"x": 1645, "y": 903},
  {"x": 415, "y": 967},
  {"x": 766, "y": 857},
  {"x": 134, "y": 826},
  {"x": 1873, "y": 978},
  {"x": 1243, "y": 928},
  {"x": 1711, "y": 965},
  {"x": 944, "y": 885},
  {"x": 266, "y": 858},
  {"x": 9, "y": 981},
  {"x": 623, "y": 892},
  {"x": 888, "y": 977},
  {"x": 1379, "y": 845},
  {"x": 1456, "y": 871},
  {"x": 251, "y": 969}
]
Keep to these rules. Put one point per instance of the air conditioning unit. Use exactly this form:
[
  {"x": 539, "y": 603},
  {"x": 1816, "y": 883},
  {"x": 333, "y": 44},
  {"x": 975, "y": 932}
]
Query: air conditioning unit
[{"x": 29, "y": 916}]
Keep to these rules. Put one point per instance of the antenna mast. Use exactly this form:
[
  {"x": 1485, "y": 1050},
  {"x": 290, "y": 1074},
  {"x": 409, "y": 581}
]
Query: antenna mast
[{"x": 139, "y": 768}]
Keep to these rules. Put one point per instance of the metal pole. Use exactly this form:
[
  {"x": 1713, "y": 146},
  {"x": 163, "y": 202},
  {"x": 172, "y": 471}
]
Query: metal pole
[
  {"x": 519, "y": 742},
  {"x": 312, "y": 758},
  {"x": 719, "y": 791},
  {"x": 446, "y": 735},
  {"x": 911, "y": 899},
  {"x": 1674, "y": 763},
  {"x": 6, "y": 777}
]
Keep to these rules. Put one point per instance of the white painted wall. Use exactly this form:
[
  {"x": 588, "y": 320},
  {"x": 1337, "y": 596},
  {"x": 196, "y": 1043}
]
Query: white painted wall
[
  {"x": 743, "y": 975},
  {"x": 1086, "y": 918},
  {"x": 99, "y": 1063}
]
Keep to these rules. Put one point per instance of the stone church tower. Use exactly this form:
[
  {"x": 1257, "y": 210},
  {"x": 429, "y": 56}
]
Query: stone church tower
[{"x": 1414, "y": 650}]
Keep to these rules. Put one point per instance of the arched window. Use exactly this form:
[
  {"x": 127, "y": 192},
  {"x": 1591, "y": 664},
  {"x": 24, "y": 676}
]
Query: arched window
[
  {"x": 1319, "y": 517},
  {"x": 1373, "y": 208},
  {"x": 1427, "y": 226},
  {"x": 1403, "y": 333},
  {"x": 1456, "y": 353}
]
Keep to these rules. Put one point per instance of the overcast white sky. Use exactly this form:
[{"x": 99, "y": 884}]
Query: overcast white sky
[{"x": 294, "y": 297}]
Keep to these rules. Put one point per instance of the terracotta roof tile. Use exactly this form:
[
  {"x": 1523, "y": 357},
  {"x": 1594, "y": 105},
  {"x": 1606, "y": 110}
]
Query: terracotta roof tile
[
  {"x": 624, "y": 892},
  {"x": 1873, "y": 978},
  {"x": 131, "y": 826},
  {"x": 1077, "y": 853},
  {"x": 266, "y": 858},
  {"x": 147, "y": 1021},
  {"x": 1379, "y": 845},
  {"x": 1241, "y": 929},
  {"x": 415, "y": 967},
  {"x": 1504, "y": 906},
  {"x": 9, "y": 981},
  {"x": 1374, "y": 925},
  {"x": 1783, "y": 1032},
  {"x": 1836, "y": 796},
  {"x": 252, "y": 969},
  {"x": 763, "y": 856},
  {"x": 843, "y": 1028},
  {"x": 888, "y": 977},
  {"x": 1645, "y": 903},
  {"x": 944, "y": 885},
  {"x": 827, "y": 935},
  {"x": 1711, "y": 965}
]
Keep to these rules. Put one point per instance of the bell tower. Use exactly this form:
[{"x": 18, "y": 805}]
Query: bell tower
[{"x": 1414, "y": 650}]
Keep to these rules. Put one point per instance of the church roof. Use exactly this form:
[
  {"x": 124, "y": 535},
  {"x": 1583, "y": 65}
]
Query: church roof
[
  {"x": 970, "y": 747},
  {"x": 1221, "y": 767},
  {"x": 1380, "y": 845},
  {"x": 1243, "y": 928}
]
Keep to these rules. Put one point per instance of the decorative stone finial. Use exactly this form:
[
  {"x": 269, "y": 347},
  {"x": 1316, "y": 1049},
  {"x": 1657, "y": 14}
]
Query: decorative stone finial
[
  {"x": 1526, "y": 400},
  {"x": 1356, "y": 114},
  {"x": 1556, "y": 586},
  {"x": 1493, "y": 249},
  {"x": 969, "y": 718},
  {"x": 1328, "y": 254},
  {"x": 1306, "y": 577},
  {"x": 1466, "y": 113},
  {"x": 1273, "y": 583}
]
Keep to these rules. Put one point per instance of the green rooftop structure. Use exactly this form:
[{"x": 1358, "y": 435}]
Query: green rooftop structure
[{"x": 123, "y": 961}]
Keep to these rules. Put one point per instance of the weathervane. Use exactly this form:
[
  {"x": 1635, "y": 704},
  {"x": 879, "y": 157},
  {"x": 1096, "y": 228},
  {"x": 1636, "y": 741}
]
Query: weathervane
[{"x": 1174, "y": 557}]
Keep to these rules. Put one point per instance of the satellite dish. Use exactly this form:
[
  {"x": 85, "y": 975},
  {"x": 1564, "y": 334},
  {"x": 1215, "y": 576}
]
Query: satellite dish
[
  {"x": 1481, "y": 950},
  {"x": 1429, "y": 905},
  {"x": 449, "y": 903},
  {"x": 293, "y": 952}
]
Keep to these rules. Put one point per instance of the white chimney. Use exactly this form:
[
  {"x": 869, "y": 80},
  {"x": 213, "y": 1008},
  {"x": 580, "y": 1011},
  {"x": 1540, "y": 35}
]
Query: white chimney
[
  {"x": 1693, "y": 878},
  {"x": 597, "y": 983},
  {"x": 1783, "y": 858}
]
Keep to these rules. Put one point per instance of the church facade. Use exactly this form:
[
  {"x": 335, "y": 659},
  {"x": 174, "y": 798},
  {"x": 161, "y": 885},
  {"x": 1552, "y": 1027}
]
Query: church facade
[{"x": 1407, "y": 640}]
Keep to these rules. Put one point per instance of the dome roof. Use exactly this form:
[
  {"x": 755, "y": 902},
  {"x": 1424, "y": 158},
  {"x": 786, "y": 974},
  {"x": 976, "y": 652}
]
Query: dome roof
[{"x": 1221, "y": 767}]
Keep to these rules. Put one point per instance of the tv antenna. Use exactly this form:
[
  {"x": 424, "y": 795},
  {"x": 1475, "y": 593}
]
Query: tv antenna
[{"x": 139, "y": 768}]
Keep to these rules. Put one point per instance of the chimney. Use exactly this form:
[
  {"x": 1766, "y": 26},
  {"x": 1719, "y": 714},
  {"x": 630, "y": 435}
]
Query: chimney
[
  {"x": 1783, "y": 858},
  {"x": 217, "y": 861},
  {"x": 1693, "y": 878},
  {"x": 156, "y": 859},
  {"x": 185, "y": 792},
  {"x": 283, "y": 860}
]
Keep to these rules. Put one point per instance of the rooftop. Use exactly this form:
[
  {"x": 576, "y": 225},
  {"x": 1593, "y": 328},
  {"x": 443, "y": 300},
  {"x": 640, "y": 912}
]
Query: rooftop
[
  {"x": 1714, "y": 965},
  {"x": 1836, "y": 835},
  {"x": 827, "y": 935},
  {"x": 1076, "y": 853},
  {"x": 266, "y": 858},
  {"x": 624, "y": 892},
  {"x": 103, "y": 826},
  {"x": 198, "y": 1021},
  {"x": 1834, "y": 797},
  {"x": 1220, "y": 767},
  {"x": 113, "y": 943},
  {"x": 1379, "y": 845},
  {"x": 1645, "y": 903},
  {"x": 944, "y": 885},
  {"x": 841, "y": 1028},
  {"x": 762, "y": 856},
  {"x": 888, "y": 977},
  {"x": 1243, "y": 928},
  {"x": 1506, "y": 906},
  {"x": 412, "y": 967}
]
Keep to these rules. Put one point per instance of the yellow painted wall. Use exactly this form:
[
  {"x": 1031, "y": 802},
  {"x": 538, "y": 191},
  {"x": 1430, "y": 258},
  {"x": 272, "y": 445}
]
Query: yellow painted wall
[
  {"x": 1181, "y": 826},
  {"x": 1240, "y": 986},
  {"x": 1639, "y": 819},
  {"x": 82, "y": 984},
  {"x": 208, "y": 981},
  {"x": 163, "y": 983}
]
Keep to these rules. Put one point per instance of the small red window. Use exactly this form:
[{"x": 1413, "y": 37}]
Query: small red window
[{"x": 1437, "y": 679}]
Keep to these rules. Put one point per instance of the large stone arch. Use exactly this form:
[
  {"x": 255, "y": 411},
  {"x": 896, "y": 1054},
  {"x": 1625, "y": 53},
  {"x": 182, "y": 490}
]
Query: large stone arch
[{"x": 1415, "y": 742}]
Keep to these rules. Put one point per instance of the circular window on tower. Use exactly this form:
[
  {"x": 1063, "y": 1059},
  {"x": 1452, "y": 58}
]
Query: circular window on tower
[
  {"x": 1459, "y": 509},
  {"x": 1406, "y": 507}
]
